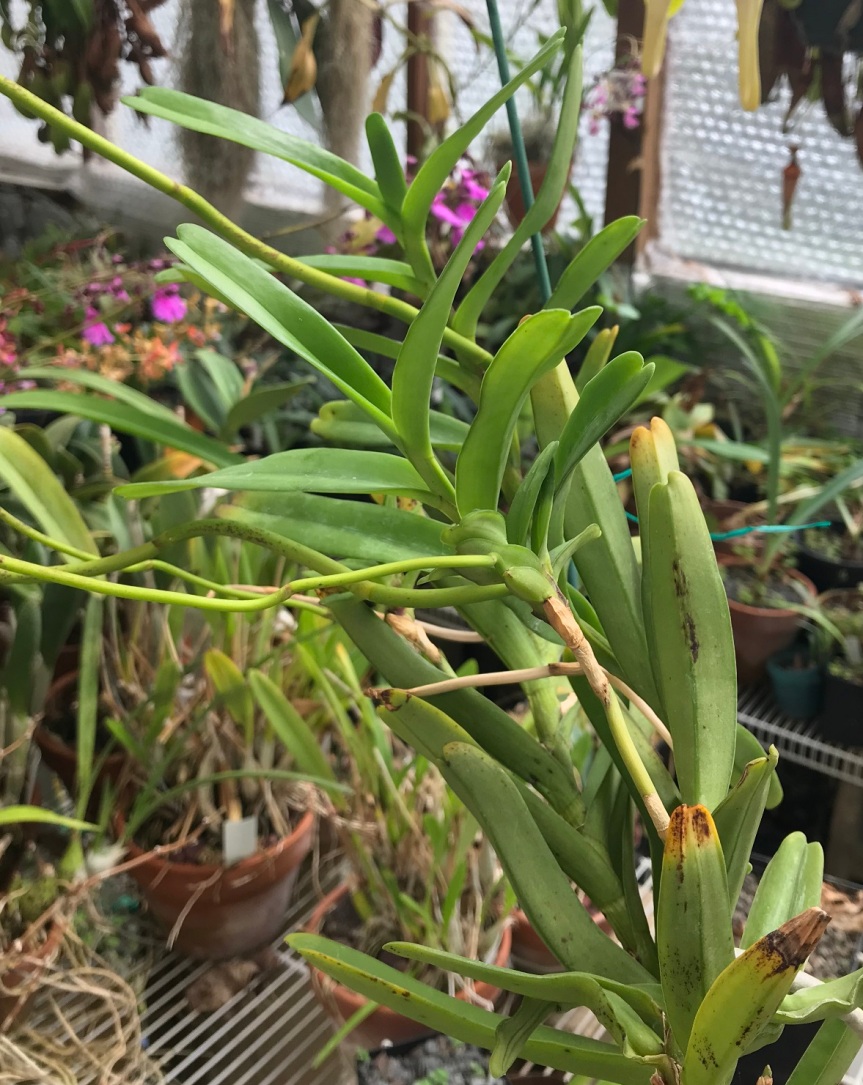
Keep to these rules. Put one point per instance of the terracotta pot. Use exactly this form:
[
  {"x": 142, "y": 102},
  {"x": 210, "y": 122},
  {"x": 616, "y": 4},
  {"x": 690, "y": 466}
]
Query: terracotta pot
[
  {"x": 226, "y": 911},
  {"x": 384, "y": 1024},
  {"x": 19, "y": 981},
  {"x": 760, "y": 632},
  {"x": 726, "y": 516},
  {"x": 514, "y": 201}
]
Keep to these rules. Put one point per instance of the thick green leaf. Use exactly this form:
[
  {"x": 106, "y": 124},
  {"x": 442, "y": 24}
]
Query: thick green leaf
[
  {"x": 225, "y": 375},
  {"x": 375, "y": 269},
  {"x": 290, "y": 727},
  {"x": 595, "y": 258},
  {"x": 260, "y": 403},
  {"x": 520, "y": 513},
  {"x": 414, "y": 372},
  {"x": 534, "y": 348},
  {"x": 126, "y": 419},
  {"x": 36, "y": 487},
  {"x": 342, "y": 529},
  {"x": 218, "y": 120},
  {"x": 433, "y": 173},
  {"x": 832, "y": 998},
  {"x": 603, "y": 402},
  {"x": 342, "y": 422},
  {"x": 23, "y": 815},
  {"x": 200, "y": 394},
  {"x": 461, "y": 1020},
  {"x": 829, "y": 1057},
  {"x": 288, "y": 318},
  {"x": 230, "y": 685},
  {"x": 309, "y": 470},
  {"x": 790, "y": 884},
  {"x": 547, "y": 201},
  {"x": 389, "y": 171}
]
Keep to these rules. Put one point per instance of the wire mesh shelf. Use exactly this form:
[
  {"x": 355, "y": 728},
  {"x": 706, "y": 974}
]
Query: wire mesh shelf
[{"x": 797, "y": 740}]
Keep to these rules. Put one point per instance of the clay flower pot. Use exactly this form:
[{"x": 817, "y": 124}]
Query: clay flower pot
[
  {"x": 19, "y": 974},
  {"x": 384, "y": 1024},
  {"x": 223, "y": 911},
  {"x": 760, "y": 632}
]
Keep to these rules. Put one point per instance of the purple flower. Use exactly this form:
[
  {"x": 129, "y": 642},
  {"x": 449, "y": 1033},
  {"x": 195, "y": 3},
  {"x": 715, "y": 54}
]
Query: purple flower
[
  {"x": 631, "y": 117},
  {"x": 442, "y": 211},
  {"x": 96, "y": 332},
  {"x": 167, "y": 305},
  {"x": 356, "y": 282},
  {"x": 385, "y": 235}
]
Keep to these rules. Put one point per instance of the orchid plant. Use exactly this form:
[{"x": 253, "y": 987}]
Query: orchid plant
[{"x": 458, "y": 516}]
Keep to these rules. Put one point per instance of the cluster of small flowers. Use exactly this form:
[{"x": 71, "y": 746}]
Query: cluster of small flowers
[
  {"x": 452, "y": 209},
  {"x": 617, "y": 92},
  {"x": 8, "y": 355},
  {"x": 166, "y": 305}
]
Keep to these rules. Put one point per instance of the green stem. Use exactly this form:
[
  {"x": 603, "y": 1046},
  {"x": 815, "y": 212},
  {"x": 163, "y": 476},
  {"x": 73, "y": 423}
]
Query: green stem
[
  {"x": 251, "y": 246},
  {"x": 334, "y": 575}
]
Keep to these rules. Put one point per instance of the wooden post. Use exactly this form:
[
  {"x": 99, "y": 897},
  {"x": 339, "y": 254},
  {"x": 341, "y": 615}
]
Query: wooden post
[
  {"x": 419, "y": 24},
  {"x": 623, "y": 181}
]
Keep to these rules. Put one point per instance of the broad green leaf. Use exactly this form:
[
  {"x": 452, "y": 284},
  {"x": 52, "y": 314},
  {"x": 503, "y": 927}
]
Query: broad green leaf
[
  {"x": 595, "y": 259},
  {"x": 19, "y": 676},
  {"x": 790, "y": 884},
  {"x": 458, "y": 1018},
  {"x": 218, "y": 120},
  {"x": 414, "y": 372},
  {"x": 200, "y": 394},
  {"x": 604, "y": 400},
  {"x": 434, "y": 172},
  {"x": 36, "y": 487},
  {"x": 567, "y": 988},
  {"x": 126, "y": 419},
  {"x": 829, "y": 1057},
  {"x": 288, "y": 318},
  {"x": 97, "y": 383},
  {"x": 290, "y": 727},
  {"x": 341, "y": 529},
  {"x": 832, "y": 998},
  {"x": 260, "y": 403},
  {"x": 374, "y": 269},
  {"x": 309, "y": 470},
  {"x": 389, "y": 171},
  {"x": 543, "y": 208},
  {"x": 534, "y": 348},
  {"x": 225, "y": 375},
  {"x": 342, "y": 422}
]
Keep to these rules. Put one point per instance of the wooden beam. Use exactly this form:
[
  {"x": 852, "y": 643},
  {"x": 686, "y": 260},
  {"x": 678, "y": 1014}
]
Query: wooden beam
[
  {"x": 623, "y": 181},
  {"x": 419, "y": 25}
]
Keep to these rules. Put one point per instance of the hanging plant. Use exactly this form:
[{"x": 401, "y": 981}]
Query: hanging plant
[
  {"x": 807, "y": 43},
  {"x": 71, "y": 51}
]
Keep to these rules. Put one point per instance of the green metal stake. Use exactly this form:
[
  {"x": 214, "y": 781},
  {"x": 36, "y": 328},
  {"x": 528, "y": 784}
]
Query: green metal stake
[{"x": 521, "y": 167}]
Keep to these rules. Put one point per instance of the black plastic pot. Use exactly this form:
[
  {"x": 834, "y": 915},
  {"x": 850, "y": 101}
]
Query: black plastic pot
[
  {"x": 841, "y": 718},
  {"x": 781, "y": 1057},
  {"x": 827, "y": 573},
  {"x": 798, "y": 690}
]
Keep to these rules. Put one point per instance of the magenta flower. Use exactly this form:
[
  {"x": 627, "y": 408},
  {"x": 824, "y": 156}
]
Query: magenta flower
[
  {"x": 631, "y": 117},
  {"x": 167, "y": 305},
  {"x": 385, "y": 235},
  {"x": 96, "y": 332}
]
